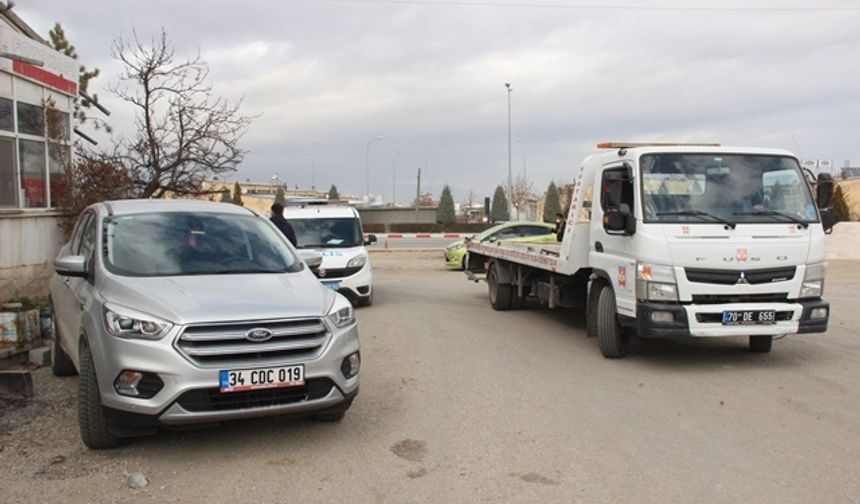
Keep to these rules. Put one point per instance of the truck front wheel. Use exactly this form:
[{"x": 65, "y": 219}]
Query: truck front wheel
[
  {"x": 761, "y": 344},
  {"x": 613, "y": 341},
  {"x": 501, "y": 296}
]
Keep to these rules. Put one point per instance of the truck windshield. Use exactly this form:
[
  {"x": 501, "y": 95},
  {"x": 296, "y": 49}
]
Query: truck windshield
[
  {"x": 725, "y": 188},
  {"x": 327, "y": 232},
  {"x": 191, "y": 243}
]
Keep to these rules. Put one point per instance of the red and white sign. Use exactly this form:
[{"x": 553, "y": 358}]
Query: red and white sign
[{"x": 58, "y": 72}]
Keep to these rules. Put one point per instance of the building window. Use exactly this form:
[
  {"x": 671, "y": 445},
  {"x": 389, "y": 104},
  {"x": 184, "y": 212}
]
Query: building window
[
  {"x": 8, "y": 190},
  {"x": 31, "y": 120},
  {"x": 59, "y": 158},
  {"x": 6, "y": 123},
  {"x": 57, "y": 123},
  {"x": 32, "y": 161}
]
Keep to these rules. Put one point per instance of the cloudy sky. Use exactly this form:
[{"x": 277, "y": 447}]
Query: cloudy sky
[{"x": 328, "y": 76}]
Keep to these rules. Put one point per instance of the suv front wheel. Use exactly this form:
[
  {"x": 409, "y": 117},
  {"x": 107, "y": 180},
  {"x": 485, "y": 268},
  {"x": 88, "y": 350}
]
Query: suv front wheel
[{"x": 96, "y": 430}]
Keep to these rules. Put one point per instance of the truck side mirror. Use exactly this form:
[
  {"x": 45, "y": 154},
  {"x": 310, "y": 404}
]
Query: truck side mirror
[
  {"x": 824, "y": 190},
  {"x": 828, "y": 220},
  {"x": 619, "y": 220}
]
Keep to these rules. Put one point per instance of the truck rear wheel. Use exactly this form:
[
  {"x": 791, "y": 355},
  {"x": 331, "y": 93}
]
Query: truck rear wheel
[
  {"x": 613, "y": 341},
  {"x": 761, "y": 344},
  {"x": 501, "y": 296}
]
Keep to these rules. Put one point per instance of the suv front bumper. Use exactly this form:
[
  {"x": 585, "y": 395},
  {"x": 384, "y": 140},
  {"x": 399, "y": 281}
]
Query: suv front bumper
[
  {"x": 180, "y": 377},
  {"x": 692, "y": 320}
]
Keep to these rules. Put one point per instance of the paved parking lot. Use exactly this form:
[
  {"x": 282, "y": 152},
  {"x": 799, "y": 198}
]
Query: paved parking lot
[{"x": 463, "y": 404}]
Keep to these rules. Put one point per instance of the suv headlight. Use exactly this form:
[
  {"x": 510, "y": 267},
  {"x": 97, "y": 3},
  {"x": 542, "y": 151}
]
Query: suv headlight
[
  {"x": 813, "y": 280},
  {"x": 124, "y": 322},
  {"x": 341, "y": 313},
  {"x": 357, "y": 261},
  {"x": 656, "y": 282}
]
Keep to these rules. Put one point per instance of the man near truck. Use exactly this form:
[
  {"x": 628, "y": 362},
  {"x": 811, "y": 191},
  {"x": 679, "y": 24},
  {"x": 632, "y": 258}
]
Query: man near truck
[{"x": 283, "y": 224}]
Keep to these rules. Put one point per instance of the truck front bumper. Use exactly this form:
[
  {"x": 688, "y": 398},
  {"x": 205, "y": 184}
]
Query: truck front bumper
[{"x": 705, "y": 320}]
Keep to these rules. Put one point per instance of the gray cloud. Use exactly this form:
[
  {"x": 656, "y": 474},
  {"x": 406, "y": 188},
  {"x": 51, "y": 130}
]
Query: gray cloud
[{"x": 327, "y": 77}]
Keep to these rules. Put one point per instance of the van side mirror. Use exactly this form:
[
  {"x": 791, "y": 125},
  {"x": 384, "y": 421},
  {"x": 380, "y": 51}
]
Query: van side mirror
[
  {"x": 71, "y": 266},
  {"x": 312, "y": 258},
  {"x": 371, "y": 239},
  {"x": 824, "y": 190}
]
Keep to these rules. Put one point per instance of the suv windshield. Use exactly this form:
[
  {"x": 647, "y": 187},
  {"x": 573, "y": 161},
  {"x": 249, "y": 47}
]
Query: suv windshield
[
  {"x": 327, "y": 232},
  {"x": 186, "y": 243},
  {"x": 725, "y": 188}
]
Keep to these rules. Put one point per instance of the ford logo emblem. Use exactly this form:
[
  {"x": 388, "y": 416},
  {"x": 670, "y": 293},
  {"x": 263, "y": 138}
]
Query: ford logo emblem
[{"x": 258, "y": 335}]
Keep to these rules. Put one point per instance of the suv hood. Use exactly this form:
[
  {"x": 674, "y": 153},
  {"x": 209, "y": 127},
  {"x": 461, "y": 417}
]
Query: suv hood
[{"x": 222, "y": 298}]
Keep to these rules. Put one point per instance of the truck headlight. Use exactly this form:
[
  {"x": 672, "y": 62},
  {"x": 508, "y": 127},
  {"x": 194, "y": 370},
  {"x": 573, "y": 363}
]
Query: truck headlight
[
  {"x": 341, "y": 313},
  {"x": 656, "y": 282},
  {"x": 357, "y": 261},
  {"x": 124, "y": 322},
  {"x": 813, "y": 280}
]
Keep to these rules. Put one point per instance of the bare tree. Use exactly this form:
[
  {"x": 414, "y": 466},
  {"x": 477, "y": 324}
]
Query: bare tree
[
  {"x": 184, "y": 134},
  {"x": 522, "y": 191}
]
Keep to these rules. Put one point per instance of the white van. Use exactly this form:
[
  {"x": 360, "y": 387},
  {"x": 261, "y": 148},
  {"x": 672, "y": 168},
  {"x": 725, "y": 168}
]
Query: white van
[{"x": 335, "y": 232}]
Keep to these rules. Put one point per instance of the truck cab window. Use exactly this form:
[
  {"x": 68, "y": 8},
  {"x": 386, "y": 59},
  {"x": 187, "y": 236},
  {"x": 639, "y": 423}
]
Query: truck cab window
[{"x": 616, "y": 189}]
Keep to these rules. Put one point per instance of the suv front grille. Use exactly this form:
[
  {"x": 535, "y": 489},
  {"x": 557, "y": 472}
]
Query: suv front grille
[
  {"x": 227, "y": 344},
  {"x": 213, "y": 400},
  {"x": 732, "y": 277}
]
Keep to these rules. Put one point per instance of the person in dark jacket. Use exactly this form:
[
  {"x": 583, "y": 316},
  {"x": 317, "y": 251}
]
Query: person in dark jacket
[
  {"x": 559, "y": 227},
  {"x": 281, "y": 223}
]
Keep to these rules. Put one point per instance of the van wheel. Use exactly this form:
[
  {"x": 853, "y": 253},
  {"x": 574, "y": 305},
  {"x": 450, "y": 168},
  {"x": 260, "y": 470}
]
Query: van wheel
[
  {"x": 501, "y": 296},
  {"x": 61, "y": 364},
  {"x": 96, "y": 431},
  {"x": 761, "y": 344},
  {"x": 614, "y": 342}
]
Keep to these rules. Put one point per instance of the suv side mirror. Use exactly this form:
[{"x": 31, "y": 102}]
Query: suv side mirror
[
  {"x": 371, "y": 239},
  {"x": 824, "y": 190},
  {"x": 312, "y": 258},
  {"x": 71, "y": 266}
]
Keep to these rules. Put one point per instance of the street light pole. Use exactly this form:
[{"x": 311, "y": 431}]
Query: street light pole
[
  {"x": 510, "y": 177},
  {"x": 314, "y": 166},
  {"x": 367, "y": 167},
  {"x": 523, "y": 147},
  {"x": 394, "y": 176}
]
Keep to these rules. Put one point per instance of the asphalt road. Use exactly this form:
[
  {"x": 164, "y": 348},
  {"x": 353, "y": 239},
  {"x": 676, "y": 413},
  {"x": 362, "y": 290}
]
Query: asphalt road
[{"x": 462, "y": 404}]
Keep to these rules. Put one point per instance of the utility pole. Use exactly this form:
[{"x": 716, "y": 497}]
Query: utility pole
[
  {"x": 418, "y": 195},
  {"x": 510, "y": 177}
]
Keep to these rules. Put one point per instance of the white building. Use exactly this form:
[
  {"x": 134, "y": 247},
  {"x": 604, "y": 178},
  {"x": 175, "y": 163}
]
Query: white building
[{"x": 37, "y": 90}]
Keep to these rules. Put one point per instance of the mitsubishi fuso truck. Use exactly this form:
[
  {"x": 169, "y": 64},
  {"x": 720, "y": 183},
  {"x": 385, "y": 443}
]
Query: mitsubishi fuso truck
[{"x": 677, "y": 241}]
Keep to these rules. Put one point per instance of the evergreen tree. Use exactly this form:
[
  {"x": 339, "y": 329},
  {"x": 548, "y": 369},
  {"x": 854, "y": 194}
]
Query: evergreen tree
[
  {"x": 445, "y": 213},
  {"x": 280, "y": 197},
  {"x": 332, "y": 193},
  {"x": 225, "y": 196},
  {"x": 61, "y": 43},
  {"x": 237, "y": 195},
  {"x": 551, "y": 203},
  {"x": 499, "y": 210}
]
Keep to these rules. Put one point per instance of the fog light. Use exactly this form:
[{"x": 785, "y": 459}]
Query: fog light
[
  {"x": 664, "y": 317},
  {"x": 818, "y": 314},
  {"x": 126, "y": 383},
  {"x": 350, "y": 365}
]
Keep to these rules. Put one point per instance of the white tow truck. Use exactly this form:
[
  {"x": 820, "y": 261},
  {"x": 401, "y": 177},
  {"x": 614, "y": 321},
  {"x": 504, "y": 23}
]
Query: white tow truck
[{"x": 677, "y": 241}]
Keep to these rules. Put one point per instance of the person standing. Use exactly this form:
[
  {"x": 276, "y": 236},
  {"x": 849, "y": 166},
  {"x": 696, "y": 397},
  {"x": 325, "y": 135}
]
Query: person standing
[
  {"x": 559, "y": 227},
  {"x": 282, "y": 224}
]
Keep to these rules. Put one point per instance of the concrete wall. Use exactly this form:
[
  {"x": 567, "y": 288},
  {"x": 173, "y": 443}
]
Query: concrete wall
[
  {"x": 28, "y": 244},
  {"x": 397, "y": 215}
]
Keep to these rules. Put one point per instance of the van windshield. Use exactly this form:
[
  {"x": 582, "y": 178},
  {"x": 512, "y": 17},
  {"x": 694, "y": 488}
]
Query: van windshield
[
  {"x": 191, "y": 243},
  {"x": 327, "y": 232},
  {"x": 725, "y": 188}
]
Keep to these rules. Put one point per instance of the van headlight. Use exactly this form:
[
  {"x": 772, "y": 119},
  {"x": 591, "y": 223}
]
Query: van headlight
[
  {"x": 656, "y": 282},
  {"x": 813, "y": 280},
  {"x": 341, "y": 313},
  {"x": 124, "y": 322},
  {"x": 357, "y": 261}
]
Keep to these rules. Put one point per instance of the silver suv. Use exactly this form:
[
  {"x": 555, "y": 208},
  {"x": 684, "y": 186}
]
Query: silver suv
[{"x": 181, "y": 312}]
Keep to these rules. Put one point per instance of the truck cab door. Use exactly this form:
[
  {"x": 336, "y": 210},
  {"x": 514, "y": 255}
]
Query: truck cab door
[{"x": 612, "y": 233}]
